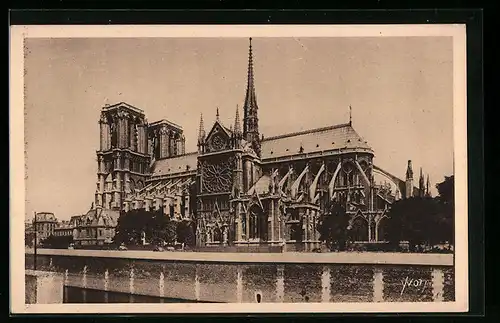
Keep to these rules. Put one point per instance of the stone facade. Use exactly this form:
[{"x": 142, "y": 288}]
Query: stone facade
[
  {"x": 240, "y": 188},
  {"x": 45, "y": 225},
  {"x": 63, "y": 229},
  {"x": 96, "y": 227}
]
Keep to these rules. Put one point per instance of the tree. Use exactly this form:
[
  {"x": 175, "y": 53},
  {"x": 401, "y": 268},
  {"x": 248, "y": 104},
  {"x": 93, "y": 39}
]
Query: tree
[
  {"x": 413, "y": 220},
  {"x": 161, "y": 229},
  {"x": 446, "y": 190},
  {"x": 185, "y": 233},
  {"x": 446, "y": 198},
  {"x": 29, "y": 238},
  {"x": 57, "y": 242},
  {"x": 131, "y": 226},
  {"x": 334, "y": 227},
  {"x": 134, "y": 224}
]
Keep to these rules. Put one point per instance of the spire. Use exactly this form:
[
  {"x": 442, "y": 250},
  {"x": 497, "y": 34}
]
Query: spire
[
  {"x": 237, "y": 126},
  {"x": 409, "y": 171},
  {"x": 201, "y": 134},
  {"x": 409, "y": 181},
  {"x": 217, "y": 115},
  {"x": 250, "y": 98},
  {"x": 250, "y": 118},
  {"x": 350, "y": 115},
  {"x": 427, "y": 187},
  {"x": 421, "y": 183}
]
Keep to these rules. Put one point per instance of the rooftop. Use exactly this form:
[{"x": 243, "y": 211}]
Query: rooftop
[
  {"x": 164, "y": 121},
  {"x": 342, "y": 136},
  {"x": 122, "y": 105},
  {"x": 174, "y": 165}
]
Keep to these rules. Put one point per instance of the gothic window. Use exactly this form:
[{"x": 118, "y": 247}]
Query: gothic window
[
  {"x": 132, "y": 185},
  {"x": 253, "y": 225},
  {"x": 224, "y": 204},
  {"x": 217, "y": 143},
  {"x": 217, "y": 235},
  {"x": 350, "y": 179},
  {"x": 357, "y": 197},
  {"x": 244, "y": 224},
  {"x": 122, "y": 163},
  {"x": 296, "y": 232},
  {"x": 114, "y": 136},
  {"x": 217, "y": 177},
  {"x": 171, "y": 210},
  {"x": 257, "y": 224}
]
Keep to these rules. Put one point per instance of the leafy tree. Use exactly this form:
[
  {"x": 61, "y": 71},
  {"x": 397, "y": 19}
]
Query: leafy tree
[
  {"x": 29, "y": 238},
  {"x": 134, "y": 224},
  {"x": 413, "y": 220},
  {"x": 446, "y": 190},
  {"x": 57, "y": 242},
  {"x": 333, "y": 227},
  {"x": 161, "y": 229},
  {"x": 446, "y": 197},
  {"x": 185, "y": 233}
]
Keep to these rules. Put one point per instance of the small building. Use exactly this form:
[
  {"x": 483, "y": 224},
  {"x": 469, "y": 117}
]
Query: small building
[
  {"x": 63, "y": 229},
  {"x": 96, "y": 227},
  {"x": 44, "y": 225}
]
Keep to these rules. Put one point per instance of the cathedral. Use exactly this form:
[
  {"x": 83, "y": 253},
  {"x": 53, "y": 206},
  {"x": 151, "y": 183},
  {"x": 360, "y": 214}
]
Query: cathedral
[{"x": 240, "y": 188}]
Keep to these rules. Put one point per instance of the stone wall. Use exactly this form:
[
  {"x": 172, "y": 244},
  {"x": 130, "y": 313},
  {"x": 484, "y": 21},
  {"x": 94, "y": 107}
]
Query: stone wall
[{"x": 230, "y": 282}]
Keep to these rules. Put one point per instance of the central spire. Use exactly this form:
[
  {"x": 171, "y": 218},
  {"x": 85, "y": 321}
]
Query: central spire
[{"x": 250, "y": 118}]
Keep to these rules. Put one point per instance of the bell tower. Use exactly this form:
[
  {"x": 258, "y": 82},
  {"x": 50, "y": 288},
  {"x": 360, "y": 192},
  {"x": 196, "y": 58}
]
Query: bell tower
[{"x": 123, "y": 157}]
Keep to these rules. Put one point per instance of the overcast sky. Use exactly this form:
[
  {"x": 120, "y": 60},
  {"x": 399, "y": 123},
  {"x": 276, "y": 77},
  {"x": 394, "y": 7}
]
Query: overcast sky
[{"x": 400, "y": 90}]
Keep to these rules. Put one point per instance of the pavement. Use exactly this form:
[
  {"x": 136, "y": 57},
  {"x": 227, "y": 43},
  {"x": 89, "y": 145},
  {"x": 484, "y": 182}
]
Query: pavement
[{"x": 374, "y": 258}]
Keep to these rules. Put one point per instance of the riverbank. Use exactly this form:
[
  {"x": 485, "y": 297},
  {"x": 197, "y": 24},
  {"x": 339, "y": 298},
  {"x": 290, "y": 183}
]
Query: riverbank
[{"x": 374, "y": 258}]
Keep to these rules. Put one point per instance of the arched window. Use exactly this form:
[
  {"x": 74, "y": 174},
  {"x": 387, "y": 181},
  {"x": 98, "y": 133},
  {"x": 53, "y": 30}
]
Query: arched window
[
  {"x": 114, "y": 136},
  {"x": 359, "y": 231},
  {"x": 217, "y": 235}
]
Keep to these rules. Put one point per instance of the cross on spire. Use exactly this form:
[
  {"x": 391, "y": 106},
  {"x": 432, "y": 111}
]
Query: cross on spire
[{"x": 350, "y": 114}]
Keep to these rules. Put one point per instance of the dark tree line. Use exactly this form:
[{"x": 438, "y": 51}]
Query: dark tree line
[
  {"x": 57, "y": 242},
  {"x": 153, "y": 226},
  {"x": 423, "y": 220}
]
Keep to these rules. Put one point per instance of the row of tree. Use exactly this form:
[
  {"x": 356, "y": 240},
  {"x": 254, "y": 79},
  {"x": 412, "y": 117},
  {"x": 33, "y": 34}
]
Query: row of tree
[
  {"x": 137, "y": 226},
  {"x": 421, "y": 221}
]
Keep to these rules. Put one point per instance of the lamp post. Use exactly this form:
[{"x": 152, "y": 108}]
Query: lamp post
[{"x": 34, "y": 250}]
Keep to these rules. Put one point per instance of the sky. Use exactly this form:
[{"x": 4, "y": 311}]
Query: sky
[{"x": 400, "y": 90}]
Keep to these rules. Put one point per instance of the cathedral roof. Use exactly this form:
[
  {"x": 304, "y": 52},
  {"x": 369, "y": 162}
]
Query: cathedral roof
[
  {"x": 341, "y": 136},
  {"x": 175, "y": 165}
]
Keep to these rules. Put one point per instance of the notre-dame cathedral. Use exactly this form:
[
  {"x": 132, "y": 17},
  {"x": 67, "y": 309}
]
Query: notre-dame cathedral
[{"x": 240, "y": 188}]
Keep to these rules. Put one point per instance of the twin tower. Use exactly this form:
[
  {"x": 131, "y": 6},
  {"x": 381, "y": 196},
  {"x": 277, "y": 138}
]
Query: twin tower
[{"x": 129, "y": 145}]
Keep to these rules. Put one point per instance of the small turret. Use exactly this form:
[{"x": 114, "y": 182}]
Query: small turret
[
  {"x": 409, "y": 180},
  {"x": 201, "y": 135}
]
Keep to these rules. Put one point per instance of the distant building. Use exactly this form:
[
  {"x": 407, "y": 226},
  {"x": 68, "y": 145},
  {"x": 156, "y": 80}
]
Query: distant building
[
  {"x": 63, "y": 229},
  {"x": 44, "y": 225},
  {"x": 97, "y": 227}
]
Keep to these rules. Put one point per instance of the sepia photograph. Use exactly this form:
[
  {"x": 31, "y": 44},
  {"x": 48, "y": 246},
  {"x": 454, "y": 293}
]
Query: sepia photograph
[{"x": 238, "y": 169}]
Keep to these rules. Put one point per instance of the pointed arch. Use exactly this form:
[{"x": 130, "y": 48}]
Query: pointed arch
[
  {"x": 359, "y": 227},
  {"x": 382, "y": 228}
]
